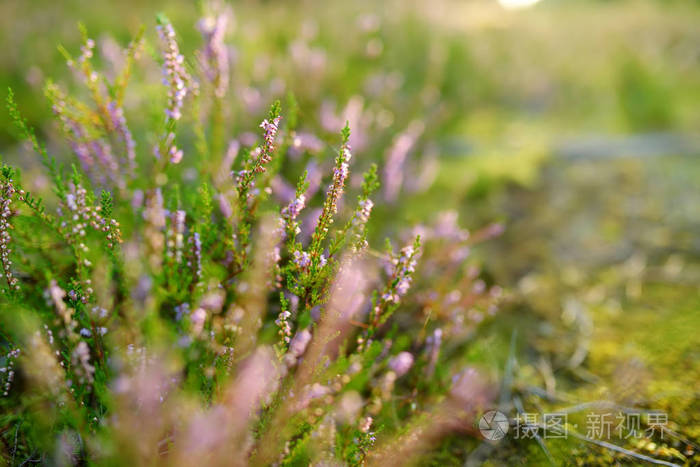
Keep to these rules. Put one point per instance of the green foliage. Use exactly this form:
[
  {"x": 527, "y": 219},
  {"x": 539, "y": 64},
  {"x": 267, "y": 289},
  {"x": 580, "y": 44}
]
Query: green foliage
[
  {"x": 194, "y": 269},
  {"x": 27, "y": 133},
  {"x": 146, "y": 290}
]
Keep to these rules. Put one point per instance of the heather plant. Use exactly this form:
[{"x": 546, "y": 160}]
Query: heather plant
[{"x": 173, "y": 300}]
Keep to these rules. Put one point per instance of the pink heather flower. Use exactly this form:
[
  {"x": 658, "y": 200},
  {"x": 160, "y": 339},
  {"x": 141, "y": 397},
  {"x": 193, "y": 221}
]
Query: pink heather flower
[
  {"x": 401, "y": 363},
  {"x": 283, "y": 191},
  {"x": 10, "y": 358},
  {"x": 176, "y": 240},
  {"x": 56, "y": 295},
  {"x": 365, "y": 424},
  {"x": 103, "y": 154},
  {"x": 447, "y": 227},
  {"x": 116, "y": 113},
  {"x": 248, "y": 138},
  {"x": 364, "y": 211},
  {"x": 225, "y": 206},
  {"x": 137, "y": 199},
  {"x": 315, "y": 391},
  {"x": 196, "y": 249},
  {"x": 294, "y": 208},
  {"x": 494, "y": 230},
  {"x": 353, "y": 112},
  {"x": 287, "y": 221},
  {"x": 198, "y": 318},
  {"x": 335, "y": 191},
  {"x": 175, "y": 75},
  {"x": 7, "y": 190},
  {"x": 270, "y": 129},
  {"x": 213, "y": 301},
  {"x": 433, "y": 344},
  {"x": 70, "y": 126},
  {"x": 396, "y": 158},
  {"x": 214, "y": 55},
  {"x": 181, "y": 311},
  {"x": 302, "y": 259},
  {"x": 86, "y": 51},
  {"x": 94, "y": 153},
  {"x": 81, "y": 363},
  {"x": 407, "y": 261},
  {"x": 173, "y": 153},
  {"x": 298, "y": 345},
  {"x": 231, "y": 153},
  {"x": 282, "y": 322},
  {"x": 390, "y": 297},
  {"x": 341, "y": 173},
  {"x": 359, "y": 220},
  {"x": 304, "y": 142},
  {"x": 403, "y": 285},
  {"x": 311, "y": 59}
]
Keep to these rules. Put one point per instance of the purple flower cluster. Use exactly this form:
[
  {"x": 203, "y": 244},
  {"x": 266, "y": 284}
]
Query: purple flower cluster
[
  {"x": 404, "y": 266},
  {"x": 173, "y": 153},
  {"x": 214, "y": 55},
  {"x": 297, "y": 347},
  {"x": 335, "y": 191},
  {"x": 270, "y": 129},
  {"x": 340, "y": 174},
  {"x": 176, "y": 236},
  {"x": 7, "y": 190},
  {"x": 302, "y": 259},
  {"x": 81, "y": 363},
  {"x": 78, "y": 216},
  {"x": 154, "y": 214},
  {"x": 93, "y": 152},
  {"x": 9, "y": 370},
  {"x": 54, "y": 296},
  {"x": 359, "y": 220},
  {"x": 181, "y": 311},
  {"x": 294, "y": 208},
  {"x": 83, "y": 215},
  {"x": 175, "y": 75},
  {"x": 401, "y": 363},
  {"x": 288, "y": 222},
  {"x": 363, "y": 212},
  {"x": 195, "y": 262},
  {"x": 396, "y": 158},
  {"x": 282, "y": 322},
  {"x": 86, "y": 51},
  {"x": 116, "y": 113},
  {"x": 432, "y": 348},
  {"x": 304, "y": 142}
]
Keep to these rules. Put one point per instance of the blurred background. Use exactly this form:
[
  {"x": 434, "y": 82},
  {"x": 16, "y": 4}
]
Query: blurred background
[{"x": 575, "y": 123}]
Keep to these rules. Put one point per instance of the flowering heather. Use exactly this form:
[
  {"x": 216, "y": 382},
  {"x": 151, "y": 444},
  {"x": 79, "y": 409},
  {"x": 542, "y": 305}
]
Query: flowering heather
[
  {"x": 7, "y": 372},
  {"x": 335, "y": 191},
  {"x": 7, "y": 190},
  {"x": 119, "y": 124},
  {"x": 185, "y": 313},
  {"x": 294, "y": 208},
  {"x": 175, "y": 76},
  {"x": 214, "y": 54},
  {"x": 396, "y": 157},
  {"x": 270, "y": 129}
]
